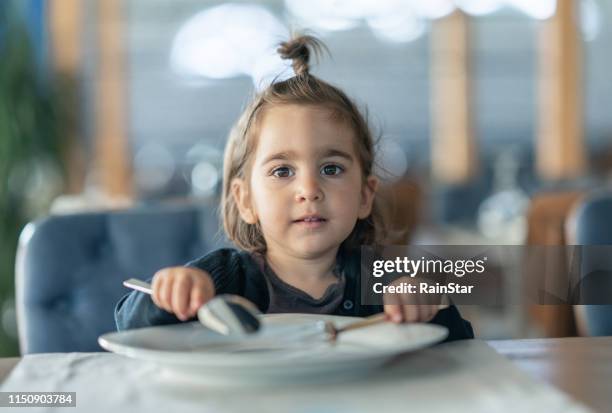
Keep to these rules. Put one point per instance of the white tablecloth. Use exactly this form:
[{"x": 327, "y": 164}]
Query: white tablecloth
[{"x": 466, "y": 376}]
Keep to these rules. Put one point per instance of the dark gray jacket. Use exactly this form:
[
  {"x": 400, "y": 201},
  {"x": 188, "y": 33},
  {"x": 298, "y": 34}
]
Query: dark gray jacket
[{"x": 236, "y": 272}]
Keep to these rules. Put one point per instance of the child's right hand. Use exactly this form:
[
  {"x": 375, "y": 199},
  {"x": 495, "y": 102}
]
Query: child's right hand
[{"x": 182, "y": 290}]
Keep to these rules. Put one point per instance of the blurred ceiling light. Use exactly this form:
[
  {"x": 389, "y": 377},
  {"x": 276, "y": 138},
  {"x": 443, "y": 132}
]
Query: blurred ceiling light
[
  {"x": 207, "y": 161},
  {"x": 227, "y": 41},
  {"x": 590, "y": 19},
  {"x": 204, "y": 179},
  {"x": 393, "y": 20},
  {"x": 326, "y": 15},
  {"x": 154, "y": 167},
  {"x": 537, "y": 9},
  {"x": 432, "y": 9},
  {"x": 479, "y": 7},
  {"x": 398, "y": 28},
  {"x": 203, "y": 151}
]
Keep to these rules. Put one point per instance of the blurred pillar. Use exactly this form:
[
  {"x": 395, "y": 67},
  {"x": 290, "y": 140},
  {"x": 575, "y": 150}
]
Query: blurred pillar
[
  {"x": 65, "y": 17},
  {"x": 453, "y": 145},
  {"x": 560, "y": 146},
  {"x": 112, "y": 156},
  {"x": 65, "y": 26}
]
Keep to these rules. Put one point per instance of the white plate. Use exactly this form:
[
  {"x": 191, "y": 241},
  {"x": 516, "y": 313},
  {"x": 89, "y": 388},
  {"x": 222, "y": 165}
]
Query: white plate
[{"x": 193, "y": 350}]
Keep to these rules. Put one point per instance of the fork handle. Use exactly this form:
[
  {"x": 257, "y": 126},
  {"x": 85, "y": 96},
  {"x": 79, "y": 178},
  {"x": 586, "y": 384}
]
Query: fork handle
[
  {"x": 371, "y": 320},
  {"x": 138, "y": 285},
  {"x": 368, "y": 321}
]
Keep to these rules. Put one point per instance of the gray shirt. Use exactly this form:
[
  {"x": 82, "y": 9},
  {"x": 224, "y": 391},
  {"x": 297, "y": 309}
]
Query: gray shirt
[{"x": 285, "y": 298}]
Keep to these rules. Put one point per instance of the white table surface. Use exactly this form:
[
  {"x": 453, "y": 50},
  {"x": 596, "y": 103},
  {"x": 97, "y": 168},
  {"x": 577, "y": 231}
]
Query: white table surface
[{"x": 465, "y": 376}]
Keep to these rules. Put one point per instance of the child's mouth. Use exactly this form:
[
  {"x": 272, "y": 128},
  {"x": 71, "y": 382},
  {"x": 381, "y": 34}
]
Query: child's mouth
[{"x": 311, "y": 222}]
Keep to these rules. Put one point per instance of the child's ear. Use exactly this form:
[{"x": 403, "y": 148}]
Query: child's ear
[
  {"x": 368, "y": 191},
  {"x": 242, "y": 199}
]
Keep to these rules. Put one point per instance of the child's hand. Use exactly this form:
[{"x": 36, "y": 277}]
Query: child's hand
[
  {"x": 182, "y": 290},
  {"x": 412, "y": 308}
]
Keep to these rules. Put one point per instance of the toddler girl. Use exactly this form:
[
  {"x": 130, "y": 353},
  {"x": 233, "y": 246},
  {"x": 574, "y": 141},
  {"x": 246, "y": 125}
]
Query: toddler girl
[{"x": 298, "y": 200}]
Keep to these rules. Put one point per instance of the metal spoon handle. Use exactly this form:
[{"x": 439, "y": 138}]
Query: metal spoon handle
[{"x": 138, "y": 285}]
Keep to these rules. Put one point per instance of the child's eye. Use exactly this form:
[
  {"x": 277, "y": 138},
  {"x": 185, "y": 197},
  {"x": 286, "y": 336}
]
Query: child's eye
[
  {"x": 282, "y": 172},
  {"x": 332, "y": 169}
]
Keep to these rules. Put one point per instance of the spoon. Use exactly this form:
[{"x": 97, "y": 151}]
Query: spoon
[
  {"x": 226, "y": 314},
  {"x": 234, "y": 315}
]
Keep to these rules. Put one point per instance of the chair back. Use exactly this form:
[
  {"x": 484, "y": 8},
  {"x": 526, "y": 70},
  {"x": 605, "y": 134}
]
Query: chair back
[
  {"x": 592, "y": 225},
  {"x": 70, "y": 268}
]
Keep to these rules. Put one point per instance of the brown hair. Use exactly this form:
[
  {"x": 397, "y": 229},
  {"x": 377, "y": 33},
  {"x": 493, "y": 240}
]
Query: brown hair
[{"x": 301, "y": 89}]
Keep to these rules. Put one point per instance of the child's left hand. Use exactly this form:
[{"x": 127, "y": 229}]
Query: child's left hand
[{"x": 411, "y": 308}]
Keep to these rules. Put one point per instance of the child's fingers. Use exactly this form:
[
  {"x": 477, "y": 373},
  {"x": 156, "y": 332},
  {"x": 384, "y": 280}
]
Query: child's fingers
[
  {"x": 181, "y": 290},
  {"x": 422, "y": 313},
  {"x": 196, "y": 300},
  {"x": 160, "y": 281},
  {"x": 411, "y": 313},
  {"x": 155, "y": 284},
  {"x": 426, "y": 313},
  {"x": 394, "y": 312},
  {"x": 410, "y": 307},
  {"x": 203, "y": 289},
  {"x": 180, "y": 296},
  {"x": 165, "y": 292}
]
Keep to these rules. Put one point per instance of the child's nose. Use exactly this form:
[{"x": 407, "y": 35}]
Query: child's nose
[{"x": 309, "y": 189}]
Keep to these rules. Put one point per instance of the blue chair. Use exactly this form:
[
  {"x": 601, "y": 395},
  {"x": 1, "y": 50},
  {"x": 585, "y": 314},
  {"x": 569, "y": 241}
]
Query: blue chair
[
  {"x": 70, "y": 268},
  {"x": 592, "y": 222}
]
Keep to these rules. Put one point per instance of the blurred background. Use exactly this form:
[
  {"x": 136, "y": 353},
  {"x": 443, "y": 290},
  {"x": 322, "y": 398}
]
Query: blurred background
[{"x": 494, "y": 115}]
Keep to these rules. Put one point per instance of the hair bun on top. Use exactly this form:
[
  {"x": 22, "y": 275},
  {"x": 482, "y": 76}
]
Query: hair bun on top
[{"x": 298, "y": 50}]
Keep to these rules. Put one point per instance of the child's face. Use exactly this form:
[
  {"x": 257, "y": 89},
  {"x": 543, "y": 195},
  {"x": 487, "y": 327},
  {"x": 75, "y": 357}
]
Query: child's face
[{"x": 306, "y": 188}]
